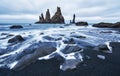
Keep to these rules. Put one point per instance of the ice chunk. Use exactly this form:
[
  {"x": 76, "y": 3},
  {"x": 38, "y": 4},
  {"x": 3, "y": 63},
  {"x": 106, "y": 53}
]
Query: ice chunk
[
  {"x": 101, "y": 57},
  {"x": 71, "y": 61}
]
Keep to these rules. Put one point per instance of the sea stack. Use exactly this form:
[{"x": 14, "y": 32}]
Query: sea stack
[
  {"x": 41, "y": 19},
  {"x": 57, "y": 17},
  {"x": 47, "y": 18},
  {"x": 73, "y": 19}
]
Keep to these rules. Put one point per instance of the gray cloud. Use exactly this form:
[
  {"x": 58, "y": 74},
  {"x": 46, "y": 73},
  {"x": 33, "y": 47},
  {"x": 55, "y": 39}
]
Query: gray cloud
[{"x": 84, "y": 9}]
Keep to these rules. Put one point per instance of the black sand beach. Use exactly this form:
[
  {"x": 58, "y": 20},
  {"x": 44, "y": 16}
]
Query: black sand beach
[
  {"x": 90, "y": 67},
  {"x": 59, "y": 38}
]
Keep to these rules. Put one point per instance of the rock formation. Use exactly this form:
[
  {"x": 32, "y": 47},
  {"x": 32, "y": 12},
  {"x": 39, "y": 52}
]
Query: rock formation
[
  {"x": 17, "y": 38},
  {"x": 73, "y": 21},
  {"x": 47, "y": 17},
  {"x": 73, "y": 18},
  {"x": 102, "y": 24},
  {"x": 81, "y": 24},
  {"x": 107, "y": 25},
  {"x": 16, "y": 27},
  {"x": 57, "y": 17},
  {"x": 42, "y": 20},
  {"x": 43, "y": 50},
  {"x": 117, "y": 24}
]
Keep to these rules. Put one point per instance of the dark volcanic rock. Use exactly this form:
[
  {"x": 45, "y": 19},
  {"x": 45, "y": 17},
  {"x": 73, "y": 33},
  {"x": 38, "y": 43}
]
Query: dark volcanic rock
[
  {"x": 16, "y": 27},
  {"x": 73, "y": 20},
  {"x": 76, "y": 36},
  {"x": 102, "y": 24},
  {"x": 41, "y": 33},
  {"x": 41, "y": 19},
  {"x": 52, "y": 38},
  {"x": 47, "y": 18},
  {"x": 61, "y": 26},
  {"x": 70, "y": 49},
  {"x": 4, "y": 33},
  {"x": 116, "y": 25},
  {"x": 48, "y": 38},
  {"x": 16, "y": 39},
  {"x": 81, "y": 24},
  {"x": 102, "y": 47},
  {"x": 58, "y": 18},
  {"x": 7, "y": 34},
  {"x": 107, "y": 25},
  {"x": 69, "y": 41},
  {"x": 43, "y": 50}
]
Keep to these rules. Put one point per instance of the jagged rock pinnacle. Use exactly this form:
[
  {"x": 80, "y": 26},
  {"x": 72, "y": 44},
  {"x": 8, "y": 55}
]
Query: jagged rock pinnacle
[
  {"x": 47, "y": 18},
  {"x": 57, "y": 17}
]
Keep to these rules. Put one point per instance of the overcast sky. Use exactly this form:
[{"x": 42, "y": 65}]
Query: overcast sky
[{"x": 85, "y": 10}]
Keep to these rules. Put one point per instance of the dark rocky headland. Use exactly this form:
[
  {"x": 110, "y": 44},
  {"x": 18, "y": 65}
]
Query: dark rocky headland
[{"x": 107, "y": 25}]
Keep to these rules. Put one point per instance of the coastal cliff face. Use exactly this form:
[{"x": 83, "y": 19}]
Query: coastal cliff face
[{"x": 57, "y": 17}]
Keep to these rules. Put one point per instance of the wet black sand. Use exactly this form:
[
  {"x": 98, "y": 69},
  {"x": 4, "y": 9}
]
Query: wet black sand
[{"x": 90, "y": 67}]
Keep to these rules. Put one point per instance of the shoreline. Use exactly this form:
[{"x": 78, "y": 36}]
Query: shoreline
[{"x": 73, "y": 61}]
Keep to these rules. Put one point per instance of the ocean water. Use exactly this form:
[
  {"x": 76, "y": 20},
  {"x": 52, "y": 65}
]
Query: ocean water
[
  {"x": 5, "y": 27},
  {"x": 84, "y": 36}
]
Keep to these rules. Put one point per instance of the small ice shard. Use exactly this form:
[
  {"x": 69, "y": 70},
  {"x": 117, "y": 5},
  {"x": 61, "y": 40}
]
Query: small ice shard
[
  {"x": 88, "y": 57},
  {"x": 101, "y": 57}
]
